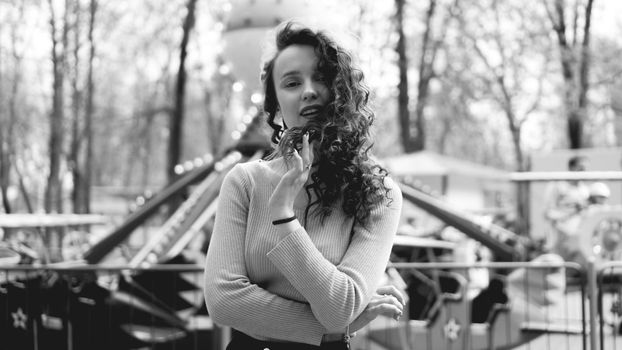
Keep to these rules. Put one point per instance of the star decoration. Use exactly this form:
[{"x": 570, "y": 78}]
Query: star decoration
[
  {"x": 19, "y": 318},
  {"x": 452, "y": 329}
]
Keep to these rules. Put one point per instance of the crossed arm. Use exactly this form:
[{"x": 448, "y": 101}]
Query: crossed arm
[{"x": 337, "y": 295}]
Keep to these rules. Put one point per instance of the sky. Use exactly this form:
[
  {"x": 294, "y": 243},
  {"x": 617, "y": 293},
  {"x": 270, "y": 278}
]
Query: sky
[{"x": 608, "y": 19}]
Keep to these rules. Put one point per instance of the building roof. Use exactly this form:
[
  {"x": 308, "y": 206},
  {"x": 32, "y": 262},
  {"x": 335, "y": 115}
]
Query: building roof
[{"x": 426, "y": 163}]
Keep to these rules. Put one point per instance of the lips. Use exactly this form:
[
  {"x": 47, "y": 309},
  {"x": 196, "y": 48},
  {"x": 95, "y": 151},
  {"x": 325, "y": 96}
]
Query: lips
[{"x": 310, "y": 111}]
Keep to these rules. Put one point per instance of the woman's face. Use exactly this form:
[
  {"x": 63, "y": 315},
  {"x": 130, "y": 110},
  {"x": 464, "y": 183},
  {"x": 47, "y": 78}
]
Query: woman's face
[{"x": 300, "y": 88}]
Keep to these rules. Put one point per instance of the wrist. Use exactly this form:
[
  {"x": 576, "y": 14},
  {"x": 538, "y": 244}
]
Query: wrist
[
  {"x": 336, "y": 336},
  {"x": 284, "y": 220},
  {"x": 281, "y": 213}
]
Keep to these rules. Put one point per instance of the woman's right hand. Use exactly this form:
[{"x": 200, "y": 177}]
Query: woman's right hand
[
  {"x": 281, "y": 203},
  {"x": 387, "y": 301}
]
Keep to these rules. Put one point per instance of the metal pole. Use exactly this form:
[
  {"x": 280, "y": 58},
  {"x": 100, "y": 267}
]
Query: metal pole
[
  {"x": 222, "y": 337},
  {"x": 592, "y": 294}
]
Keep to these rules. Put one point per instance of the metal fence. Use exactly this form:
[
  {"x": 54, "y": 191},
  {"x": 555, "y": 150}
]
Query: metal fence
[
  {"x": 96, "y": 307},
  {"x": 609, "y": 303},
  {"x": 450, "y": 306},
  {"x": 486, "y": 306}
]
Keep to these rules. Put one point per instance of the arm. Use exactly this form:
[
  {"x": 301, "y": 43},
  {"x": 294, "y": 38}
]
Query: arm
[
  {"x": 231, "y": 298},
  {"x": 338, "y": 294},
  {"x": 550, "y": 201},
  {"x": 386, "y": 301},
  {"x": 554, "y": 209}
]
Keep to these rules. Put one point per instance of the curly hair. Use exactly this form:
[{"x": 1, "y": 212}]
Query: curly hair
[{"x": 340, "y": 135}]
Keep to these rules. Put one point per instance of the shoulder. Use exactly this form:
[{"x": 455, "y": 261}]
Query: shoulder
[
  {"x": 390, "y": 184},
  {"x": 239, "y": 175},
  {"x": 254, "y": 172},
  {"x": 394, "y": 193}
]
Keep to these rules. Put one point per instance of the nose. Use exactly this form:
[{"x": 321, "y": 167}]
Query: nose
[{"x": 310, "y": 92}]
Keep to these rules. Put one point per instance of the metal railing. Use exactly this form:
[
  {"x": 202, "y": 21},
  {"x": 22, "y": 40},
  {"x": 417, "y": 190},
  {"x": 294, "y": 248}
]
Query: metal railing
[
  {"x": 99, "y": 307},
  {"x": 160, "y": 308},
  {"x": 609, "y": 303},
  {"x": 537, "y": 307}
]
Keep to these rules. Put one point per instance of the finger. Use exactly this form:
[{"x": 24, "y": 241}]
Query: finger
[
  {"x": 388, "y": 300},
  {"x": 297, "y": 160},
  {"x": 311, "y": 154},
  {"x": 388, "y": 310},
  {"x": 392, "y": 290},
  {"x": 306, "y": 160}
]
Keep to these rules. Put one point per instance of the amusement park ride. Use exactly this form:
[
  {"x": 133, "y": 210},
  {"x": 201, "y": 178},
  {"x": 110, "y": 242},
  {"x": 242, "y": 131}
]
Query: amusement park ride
[
  {"x": 151, "y": 308},
  {"x": 159, "y": 309}
]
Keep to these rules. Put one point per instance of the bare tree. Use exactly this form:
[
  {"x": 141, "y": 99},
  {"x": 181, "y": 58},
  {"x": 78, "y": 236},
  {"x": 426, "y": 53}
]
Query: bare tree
[
  {"x": 9, "y": 123},
  {"x": 146, "y": 114},
  {"x": 426, "y": 73},
  {"x": 53, "y": 195},
  {"x": 504, "y": 70},
  {"x": 217, "y": 95},
  {"x": 4, "y": 159},
  {"x": 75, "y": 147},
  {"x": 430, "y": 44},
  {"x": 574, "y": 47},
  {"x": 403, "y": 112},
  {"x": 7, "y": 129},
  {"x": 80, "y": 151},
  {"x": 413, "y": 127},
  {"x": 177, "y": 117},
  {"x": 87, "y": 178}
]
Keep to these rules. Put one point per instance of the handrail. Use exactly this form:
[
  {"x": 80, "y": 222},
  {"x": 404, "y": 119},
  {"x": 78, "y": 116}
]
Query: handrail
[
  {"x": 98, "y": 251},
  {"x": 248, "y": 144},
  {"x": 452, "y": 217},
  {"x": 51, "y": 220},
  {"x": 181, "y": 219},
  {"x": 542, "y": 176},
  {"x": 95, "y": 268},
  {"x": 492, "y": 265}
]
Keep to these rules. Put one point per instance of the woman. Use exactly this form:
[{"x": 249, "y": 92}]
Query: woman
[{"x": 301, "y": 241}]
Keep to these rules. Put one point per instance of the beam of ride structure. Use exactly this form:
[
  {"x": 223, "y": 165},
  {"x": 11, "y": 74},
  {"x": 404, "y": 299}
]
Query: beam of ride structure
[
  {"x": 186, "y": 214},
  {"x": 252, "y": 141},
  {"x": 51, "y": 220},
  {"x": 545, "y": 176},
  {"x": 197, "y": 217},
  {"x": 489, "y": 235},
  {"x": 102, "y": 248}
]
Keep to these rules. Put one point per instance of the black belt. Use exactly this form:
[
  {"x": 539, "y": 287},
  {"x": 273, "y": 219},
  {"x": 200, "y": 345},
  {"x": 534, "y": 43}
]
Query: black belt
[{"x": 241, "y": 340}]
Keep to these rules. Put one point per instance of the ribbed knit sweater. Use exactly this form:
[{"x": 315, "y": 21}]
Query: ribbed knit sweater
[{"x": 314, "y": 281}]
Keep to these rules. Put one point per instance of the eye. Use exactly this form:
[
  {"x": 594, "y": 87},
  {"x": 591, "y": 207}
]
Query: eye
[{"x": 290, "y": 83}]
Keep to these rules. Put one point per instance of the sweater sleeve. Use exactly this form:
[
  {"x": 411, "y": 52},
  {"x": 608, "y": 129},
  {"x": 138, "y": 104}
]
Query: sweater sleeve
[
  {"x": 337, "y": 294},
  {"x": 231, "y": 299}
]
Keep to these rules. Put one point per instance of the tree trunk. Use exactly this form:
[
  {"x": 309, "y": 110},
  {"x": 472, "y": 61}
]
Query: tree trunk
[
  {"x": 2, "y": 123},
  {"x": 87, "y": 172},
  {"x": 426, "y": 72},
  {"x": 5, "y": 133},
  {"x": 522, "y": 188},
  {"x": 402, "y": 63},
  {"x": 53, "y": 199},
  {"x": 575, "y": 69},
  {"x": 4, "y": 169},
  {"x": 177, "y": 117},
  {"x": 584, "y": 66},
  {"x": 147, "y": 150},
  {"x": 75, "y": 165},
  {"x": 23, "y": 189},
  {"x": 217, "y": 98},
  {"x": 7, "y": 129}
]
